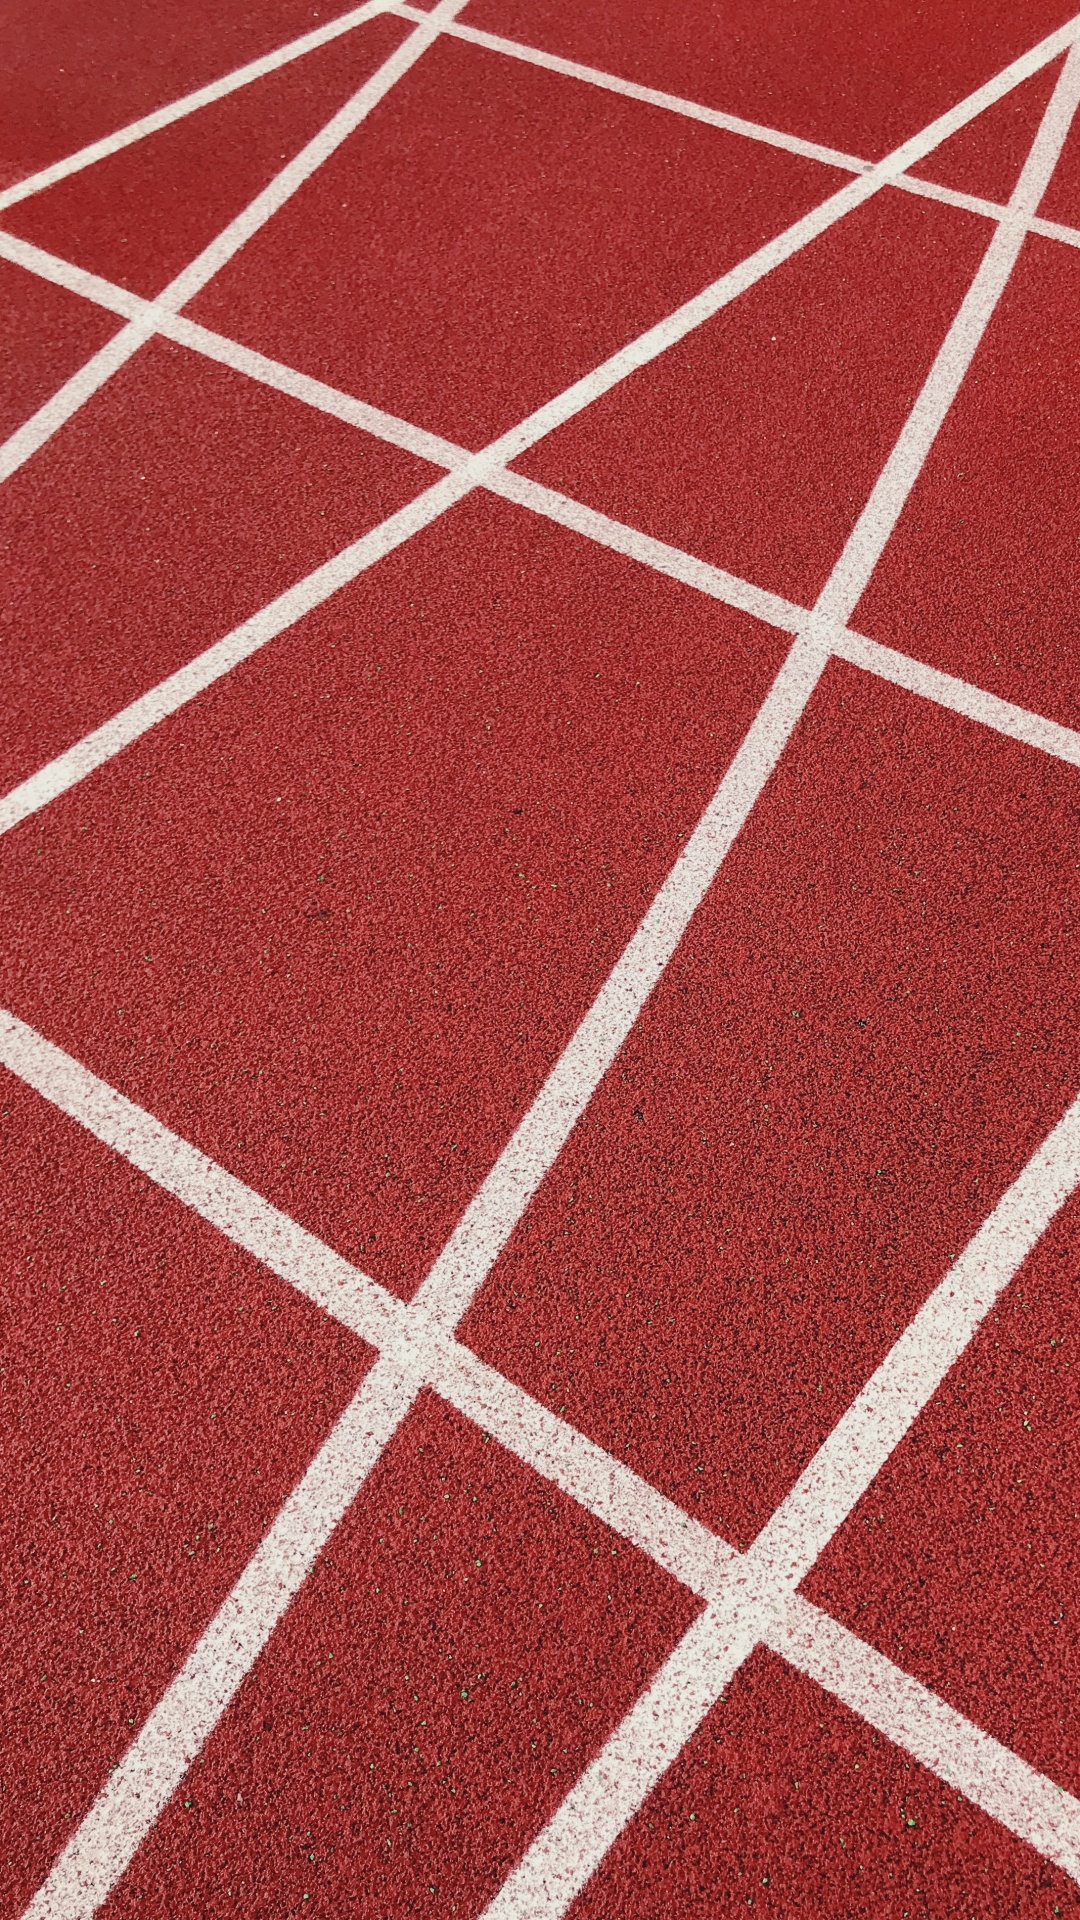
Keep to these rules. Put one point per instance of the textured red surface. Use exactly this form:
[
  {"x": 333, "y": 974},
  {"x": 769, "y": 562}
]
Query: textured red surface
[
  {"x": 427, "y": 1703},
  {"x": 784, "y": 1803},
  {"x": 877, "y": 998},
  {"x": 382, "y": 869},
  {"x": 756, "y": 440},
  {"x": 45, "y": 336},
  {"x": 464, "y": 277},
  {"x": 963, "y": 1560},
  {"x": 266, "y": 490},
  {"x": 161, "y": 1395},
  {"x": 141, "y": 215},
  {"x": 854, "y": 74},
  {"x": 71, "y": 73},
  {"x": 980, "y": 577}
]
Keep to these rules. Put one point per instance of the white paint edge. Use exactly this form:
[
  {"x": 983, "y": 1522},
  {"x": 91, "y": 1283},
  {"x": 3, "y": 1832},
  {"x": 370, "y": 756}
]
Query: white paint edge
[{"x": 188, "y": 103}]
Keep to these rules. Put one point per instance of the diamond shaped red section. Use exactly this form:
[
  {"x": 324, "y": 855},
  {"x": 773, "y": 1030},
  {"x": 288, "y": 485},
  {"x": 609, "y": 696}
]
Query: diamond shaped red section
[{"x": 462, "y": 276}]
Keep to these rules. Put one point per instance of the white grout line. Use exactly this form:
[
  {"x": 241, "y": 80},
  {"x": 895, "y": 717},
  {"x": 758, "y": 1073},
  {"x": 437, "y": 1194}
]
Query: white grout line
[
  {"x": 648, "y": 96},
  {"x": 990, "y": 1775},
  {"x": 413, "y": 1352},
  {"x": 90, "y": 378},
  {"x": 189, "y": 103},
  {"x": 881, "y": 512}
]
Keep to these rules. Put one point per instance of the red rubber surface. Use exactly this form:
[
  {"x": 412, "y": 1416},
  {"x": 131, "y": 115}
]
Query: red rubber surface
[{"x": 336, "y": 919}]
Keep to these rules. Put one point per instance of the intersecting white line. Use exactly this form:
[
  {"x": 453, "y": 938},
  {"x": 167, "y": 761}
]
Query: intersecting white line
[
  {"x": 568, "y": 1851},
  {"x": 161, "y": 117},
  {"x": 90, "y": 378},
  {"x": 198, "y": 1696}
]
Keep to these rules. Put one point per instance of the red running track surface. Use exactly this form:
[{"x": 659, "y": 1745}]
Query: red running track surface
[{"x": 538, "y": 1045}]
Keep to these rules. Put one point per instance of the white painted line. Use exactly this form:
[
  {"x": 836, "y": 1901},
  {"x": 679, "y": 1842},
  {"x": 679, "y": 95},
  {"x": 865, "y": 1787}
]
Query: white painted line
[
  {"x": 57, "y": 411},
  {"x": 498, "y": 1205},
  {"x": 618, "y": 1781},
  {"x": 67, "y": 400},
  {"x": 959, "y": 696},
  {"x": 189, "y": 103},
  {"x": 414, "y": 1352},
  {"x": 894, "y": 1396},
  {"x": 155, "y": 1763},
  {"x": 100, "y": 746},
  {"x": 649, "y": 96},
  {"x": 907, "y": 1713},
  {"x": 886, "y": 503}
]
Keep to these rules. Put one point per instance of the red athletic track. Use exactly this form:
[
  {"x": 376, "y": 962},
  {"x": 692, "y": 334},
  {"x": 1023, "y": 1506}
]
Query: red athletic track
[{"x": 326, "y": 919}]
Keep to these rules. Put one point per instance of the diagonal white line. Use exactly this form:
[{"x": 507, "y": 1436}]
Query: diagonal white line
[
  {"x": 82, "y": 386},
  {"x": 178, "y": 109},
  {"x": 412, "y": 1350},
  {"x": 568, "y": 1851},
  {"x": 103, "y": 742},
  {"x": 930, "y": 683}
]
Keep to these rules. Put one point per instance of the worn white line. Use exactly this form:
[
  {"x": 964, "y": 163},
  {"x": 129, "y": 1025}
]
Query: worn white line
[
  {"x": 189, "y": 103},
  {"x": 959, "y": 696},
  {"x": 990, "y": 1775},
  {"x": 82, "y": 386},
  {"x": 905, "y": 463}
]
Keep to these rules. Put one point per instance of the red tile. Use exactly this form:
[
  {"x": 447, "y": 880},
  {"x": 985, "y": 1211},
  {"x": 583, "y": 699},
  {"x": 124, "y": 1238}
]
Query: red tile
[
  {"x": 426, "y": 1703},
  {"x": 382, "y": 869},
  {"x": 162, "y": 1393},
  {"x": 986, "y": 156},
  {"x": 785, "y": 1803},
  {"x": 177, "y": 502},
  {"x": 45, "y": 336},
  {"x": 70, "y": 73},
  {"x": 866, "y": 1031},
  {"x": 855, "y": 74},
  {"x": 492, "y": 232},
  {"x": 962, "y": 1562},
  {"x": 139, "y": 216},
  {"x": 755, "y": 442},
  {"x": 980, "y": 575}
]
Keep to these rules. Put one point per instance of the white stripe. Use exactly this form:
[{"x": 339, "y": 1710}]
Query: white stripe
[
  {"x": 881, "y": 512},
  {"x": 565, "y": 1854},
  {"x": 491, "y": 1216},
  {"x": 55, "y": 413},
  {"x": 649, "y": 96},
  {"x": 155, "y": 1763},
  {"x": 907, "y": 1713},
  {"x": 189, "y": 103}
]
